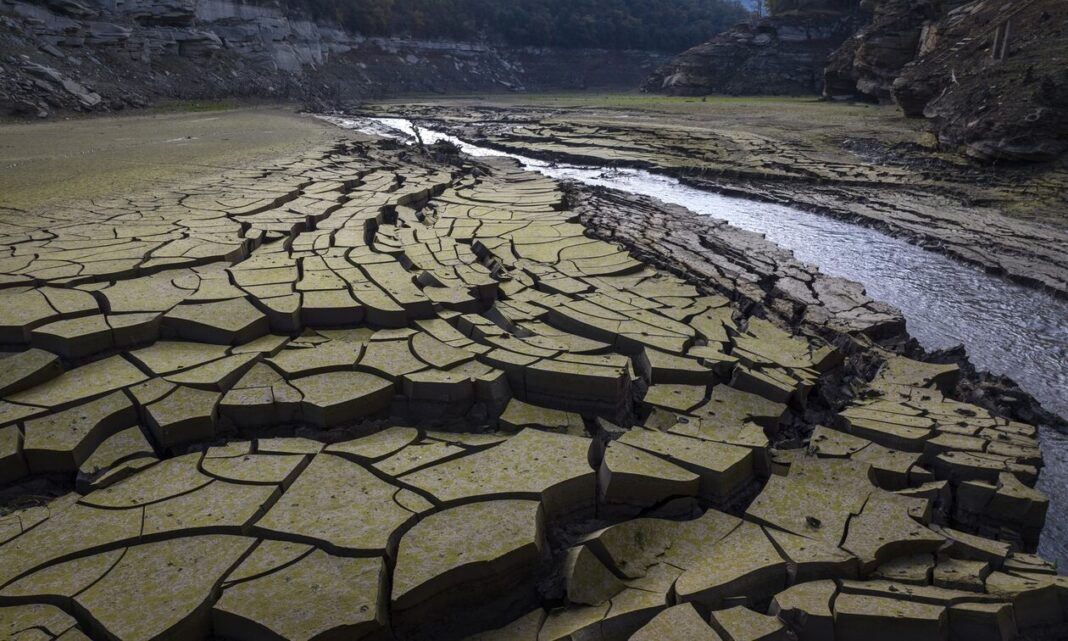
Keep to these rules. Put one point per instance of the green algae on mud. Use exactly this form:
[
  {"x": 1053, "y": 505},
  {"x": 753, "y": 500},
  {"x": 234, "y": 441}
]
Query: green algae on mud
[
  {"x": 853, "y": 134},
  {"x": 803, "y": 117}
]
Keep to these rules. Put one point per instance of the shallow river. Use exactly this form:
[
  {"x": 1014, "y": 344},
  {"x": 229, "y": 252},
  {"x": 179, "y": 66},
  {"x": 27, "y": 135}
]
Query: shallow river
[{"x": 1006, "y": 328}]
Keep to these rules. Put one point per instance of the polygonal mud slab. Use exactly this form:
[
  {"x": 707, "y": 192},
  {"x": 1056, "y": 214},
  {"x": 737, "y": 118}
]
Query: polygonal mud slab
[
  {"x": 806, "y": 608},
  {"x": 81, "y": 383},
  {"x": 464, "y": 557},
  {"x": 742, "y": 624},
  {"x": 677, "y": 623},
  {"x": 632, "y": 477},
  {"x": 173, "y": 582},
  {"x": 229, "y": 322},
  {"x": 338, "y": 505},
  {"x": 533, "y": 464},
  {"x": 724, "y": 469},
  {"x": 318, "y": 596},
  {"x": 858, "y": 617},
  {"x": 37, "y": 621},
  {"x": 61, "y": 442},
  {"x": 337, "y": 398},
  {"x": 27, "y": 369},
  {"x": 186, "y": 415}
]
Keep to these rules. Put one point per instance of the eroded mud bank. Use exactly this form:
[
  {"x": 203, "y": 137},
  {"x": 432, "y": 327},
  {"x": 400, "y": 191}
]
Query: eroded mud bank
[{"x": 1005, "y": 220}]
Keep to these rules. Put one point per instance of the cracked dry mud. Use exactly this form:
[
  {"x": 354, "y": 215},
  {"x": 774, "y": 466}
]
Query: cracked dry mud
[
  {"x": 367, "y": 394},
  {"x": 825, "y": 165}
]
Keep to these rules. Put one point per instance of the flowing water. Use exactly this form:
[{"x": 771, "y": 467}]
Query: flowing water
[{"x": 1006, "y": 328}]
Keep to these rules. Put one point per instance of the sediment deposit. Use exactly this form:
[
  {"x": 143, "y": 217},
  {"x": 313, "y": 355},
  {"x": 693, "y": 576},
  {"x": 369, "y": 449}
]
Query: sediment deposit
[{"x": 372, "y": 391}]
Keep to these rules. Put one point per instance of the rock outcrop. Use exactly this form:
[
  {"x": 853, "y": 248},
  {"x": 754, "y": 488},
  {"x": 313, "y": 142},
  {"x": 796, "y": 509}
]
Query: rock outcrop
[
  {"x": 872, "y": 59},
  {"x": 991, "y": 76},
  {"x": 96, "y": 55},
  {"x": 781, "y": 54}
]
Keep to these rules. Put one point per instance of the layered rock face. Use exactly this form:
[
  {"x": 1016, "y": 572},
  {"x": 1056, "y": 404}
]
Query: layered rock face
[
  {"x": 870, "y": 61},
  {"x": 995, "y": 80},
  {"x": 783, "y": 54},
  {"x": 108, "y": 54},
  {"x": 991, "y": 76}
]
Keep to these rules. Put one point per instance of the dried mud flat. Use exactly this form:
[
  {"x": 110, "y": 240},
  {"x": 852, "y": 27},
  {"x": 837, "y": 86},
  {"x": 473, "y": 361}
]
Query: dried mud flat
[
  {"x": 51, "y": 163},
  {"x": 863, "y": 164},
  {"x": 364, "y": 392}
]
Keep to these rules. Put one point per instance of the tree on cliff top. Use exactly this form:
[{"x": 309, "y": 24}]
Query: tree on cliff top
[{"x": 665, "y": 25}]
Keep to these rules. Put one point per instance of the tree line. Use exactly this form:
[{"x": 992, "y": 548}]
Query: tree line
[{"x": 658, "y": 25}]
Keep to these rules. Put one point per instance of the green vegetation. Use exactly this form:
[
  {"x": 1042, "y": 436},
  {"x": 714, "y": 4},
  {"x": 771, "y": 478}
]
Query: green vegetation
[{"x": 665, "y": 25}]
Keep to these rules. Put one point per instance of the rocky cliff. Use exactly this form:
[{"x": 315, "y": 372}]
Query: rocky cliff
[
  {"x": 994, "y": 80},
  {"x": 92, "y": 55},
  {"x": 781, "y": 54},
  {"x": 991, "y": 76},
  {"x": 867, "y": 64}
]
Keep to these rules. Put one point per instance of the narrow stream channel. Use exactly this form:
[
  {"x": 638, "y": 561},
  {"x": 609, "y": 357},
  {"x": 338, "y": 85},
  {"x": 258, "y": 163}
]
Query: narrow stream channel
[{"x": 1006, "y": 328}]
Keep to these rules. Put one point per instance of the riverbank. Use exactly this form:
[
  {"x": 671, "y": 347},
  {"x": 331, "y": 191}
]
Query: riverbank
[
  {"x": 1004, "y": 328},
  {"x": 861, "y": 163}
]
